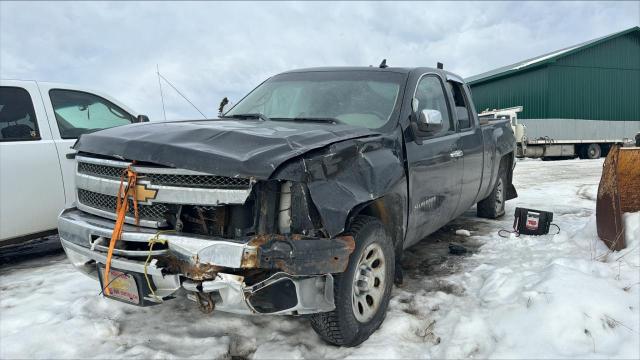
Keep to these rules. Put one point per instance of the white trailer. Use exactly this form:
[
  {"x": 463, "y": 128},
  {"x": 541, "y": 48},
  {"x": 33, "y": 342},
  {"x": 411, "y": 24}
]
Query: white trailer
[{"x": 552, "y": 139}]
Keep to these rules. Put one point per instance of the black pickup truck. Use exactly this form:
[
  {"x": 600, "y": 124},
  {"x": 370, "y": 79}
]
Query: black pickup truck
[{"x": 298, "y": 200}]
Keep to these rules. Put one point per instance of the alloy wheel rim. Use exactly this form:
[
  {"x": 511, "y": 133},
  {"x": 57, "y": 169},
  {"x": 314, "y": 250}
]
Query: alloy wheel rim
[{"x": 369, "y": 283}]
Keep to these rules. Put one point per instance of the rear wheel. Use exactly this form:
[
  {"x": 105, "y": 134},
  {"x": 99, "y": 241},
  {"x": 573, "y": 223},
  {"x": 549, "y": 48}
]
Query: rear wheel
[
  {"x": 493, "y": 206},
  {"x": 362, "y": 292},
  {"x": 582, "y": 151}
]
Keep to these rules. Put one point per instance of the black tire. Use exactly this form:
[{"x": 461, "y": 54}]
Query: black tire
[
  {"x": 582, "y": 151},
  {"x": 340, "y": 326},
  {"x": 493, "y": 206},
  {"x": 594, "y": 151}
]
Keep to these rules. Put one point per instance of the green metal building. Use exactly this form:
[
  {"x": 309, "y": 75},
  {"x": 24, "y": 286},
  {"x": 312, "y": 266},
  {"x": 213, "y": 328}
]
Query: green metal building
[{"x": 597, "y": 80}]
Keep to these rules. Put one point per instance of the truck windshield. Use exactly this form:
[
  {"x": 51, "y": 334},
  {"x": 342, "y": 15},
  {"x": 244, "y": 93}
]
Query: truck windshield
[{"x": 359, "y": 98}]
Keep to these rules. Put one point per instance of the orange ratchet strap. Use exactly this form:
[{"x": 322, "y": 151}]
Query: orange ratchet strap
[{"x": 122, "y": 206}]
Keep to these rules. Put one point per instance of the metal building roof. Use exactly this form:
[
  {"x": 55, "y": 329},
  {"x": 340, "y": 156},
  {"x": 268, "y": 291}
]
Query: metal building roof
[{"x": 544, "y": 59}]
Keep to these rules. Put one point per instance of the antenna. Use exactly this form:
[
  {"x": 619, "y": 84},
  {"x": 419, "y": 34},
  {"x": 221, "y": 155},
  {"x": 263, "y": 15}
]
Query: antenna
[
  {"x": 161, "y": 96},
  {"x": 181, "y": 94}
]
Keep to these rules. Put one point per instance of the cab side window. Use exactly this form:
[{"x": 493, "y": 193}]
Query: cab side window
[
  {"x": 79, "y": 113},
  {"x": 431, "y": 96},
  {"x": 463, "y": 114},
  {"x": 17, "y": 116}
]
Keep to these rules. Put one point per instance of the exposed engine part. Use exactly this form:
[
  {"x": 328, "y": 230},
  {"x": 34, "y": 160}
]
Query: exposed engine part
[
  {"x": 284, "y": 212},
  {"x": 204, "y": 220}
]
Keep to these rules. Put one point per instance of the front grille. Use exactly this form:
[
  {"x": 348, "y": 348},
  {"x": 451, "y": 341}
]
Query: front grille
[
  {"x": 178, "y": 180},
  {"x": 100, "y": 170},
  {"x": 204, "y": 181},
  {"x": 154, "y": 212}
]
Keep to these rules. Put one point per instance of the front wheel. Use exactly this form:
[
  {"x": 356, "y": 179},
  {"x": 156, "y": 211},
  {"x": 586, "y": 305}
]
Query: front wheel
[{"x": 362, "y": 292}]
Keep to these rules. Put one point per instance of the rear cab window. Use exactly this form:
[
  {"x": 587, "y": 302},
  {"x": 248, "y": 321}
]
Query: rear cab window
[
  {"x": 79, "y": 113},
  {"x": 17, "y": 116},
  {"x": 461, "y": 106}
]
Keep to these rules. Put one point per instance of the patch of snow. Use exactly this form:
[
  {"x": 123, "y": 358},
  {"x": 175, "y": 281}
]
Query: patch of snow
[
  {"x": 463, "y": 232},
  {"x": 551, "y": 296}
]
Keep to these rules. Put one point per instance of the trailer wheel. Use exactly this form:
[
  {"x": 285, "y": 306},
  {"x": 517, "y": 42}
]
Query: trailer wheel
[
  {"x": 493, "y": 206},
  {"x": 593, "y": 151},
  {"x": 362, "y": 292},
  {"x": 582, "y": 151}
]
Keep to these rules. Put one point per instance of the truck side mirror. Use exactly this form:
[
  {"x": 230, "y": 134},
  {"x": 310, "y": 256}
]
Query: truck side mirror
[
  {"x": 430, "y": 120},
  {"x": 142, "y": 118}
]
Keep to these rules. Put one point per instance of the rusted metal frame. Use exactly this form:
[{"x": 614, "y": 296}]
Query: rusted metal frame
[{"x": 295, "y": 255}]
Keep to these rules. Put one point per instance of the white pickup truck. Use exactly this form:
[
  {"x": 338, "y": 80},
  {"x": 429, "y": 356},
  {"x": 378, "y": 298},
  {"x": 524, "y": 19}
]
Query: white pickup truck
[{"x": 39, "y": 122}]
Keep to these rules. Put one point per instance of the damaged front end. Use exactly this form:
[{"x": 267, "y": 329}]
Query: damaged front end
[{"x": 241, "y": 246}]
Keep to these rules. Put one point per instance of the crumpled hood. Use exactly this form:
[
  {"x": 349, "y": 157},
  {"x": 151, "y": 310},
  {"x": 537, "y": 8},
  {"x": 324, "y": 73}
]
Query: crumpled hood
[{"x": 221, "y": 147}]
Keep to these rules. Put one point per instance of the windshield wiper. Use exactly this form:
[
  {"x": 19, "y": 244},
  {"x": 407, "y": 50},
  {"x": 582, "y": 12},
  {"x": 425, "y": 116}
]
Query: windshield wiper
[
  {"x": 329, "y": 120},
  {"x": 260, "y": 116}
]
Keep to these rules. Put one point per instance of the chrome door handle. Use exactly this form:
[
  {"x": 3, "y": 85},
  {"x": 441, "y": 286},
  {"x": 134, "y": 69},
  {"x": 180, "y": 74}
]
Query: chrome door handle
[{"x": 456, "y": 154}]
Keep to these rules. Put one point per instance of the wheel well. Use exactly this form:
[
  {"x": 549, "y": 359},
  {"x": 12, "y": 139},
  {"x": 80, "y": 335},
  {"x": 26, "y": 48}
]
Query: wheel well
[
  {"x": 506, "y": 163},
  {"x": 389, "y": 210}
]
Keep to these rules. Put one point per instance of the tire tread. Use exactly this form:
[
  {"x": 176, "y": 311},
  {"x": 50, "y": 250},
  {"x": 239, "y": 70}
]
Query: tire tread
[{"x": 327, "y": 324}]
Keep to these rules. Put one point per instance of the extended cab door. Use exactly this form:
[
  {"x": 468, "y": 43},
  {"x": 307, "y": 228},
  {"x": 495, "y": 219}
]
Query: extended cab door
[
  {"x": 471, "y": 144},
  {"x": 73, "y": 112},
  {"x": 433, "y": 166},
  {"x": 31, "y": 189}
]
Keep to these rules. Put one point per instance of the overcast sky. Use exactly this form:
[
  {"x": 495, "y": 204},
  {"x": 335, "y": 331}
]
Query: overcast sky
[{"x": 212, "y": 50}]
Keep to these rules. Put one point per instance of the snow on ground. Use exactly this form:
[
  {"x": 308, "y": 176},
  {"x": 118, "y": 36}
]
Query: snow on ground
[{"x": 529, "y": 297}]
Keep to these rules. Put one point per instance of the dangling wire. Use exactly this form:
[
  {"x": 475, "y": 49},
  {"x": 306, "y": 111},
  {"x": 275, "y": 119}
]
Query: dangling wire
[
  {"x": 502, "y": 233},
  {"x": 155, "y": 239},
  {"x": 179, "y": 93},
  {"x": 164, "y": 112}
]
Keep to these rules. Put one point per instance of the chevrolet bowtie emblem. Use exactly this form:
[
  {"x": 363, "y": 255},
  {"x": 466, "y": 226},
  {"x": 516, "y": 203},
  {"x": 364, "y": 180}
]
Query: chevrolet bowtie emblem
[{"x": 142, "y": 193}]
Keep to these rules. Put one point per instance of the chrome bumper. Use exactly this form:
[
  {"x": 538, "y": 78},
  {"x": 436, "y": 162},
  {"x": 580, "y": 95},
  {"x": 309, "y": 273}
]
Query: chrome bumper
[{"x": 296, "y": 294}]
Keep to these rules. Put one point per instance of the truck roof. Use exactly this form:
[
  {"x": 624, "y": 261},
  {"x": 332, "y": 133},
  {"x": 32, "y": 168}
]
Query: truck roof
[{"x": 402, "y": 70}]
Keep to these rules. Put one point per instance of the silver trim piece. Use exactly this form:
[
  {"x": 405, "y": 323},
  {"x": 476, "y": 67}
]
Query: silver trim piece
[
  {"x": 80, "y": 228},
  {"x": 101, "y": 244},
  {"x": 113, "y": 216},
  {"x": 167, "y": 194},
  {"x": 137, "y": 168},
  {"x": 314, "y": 293},
  {"x": 84, "y": 260},
  {"x": 116, "y": 262}
]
